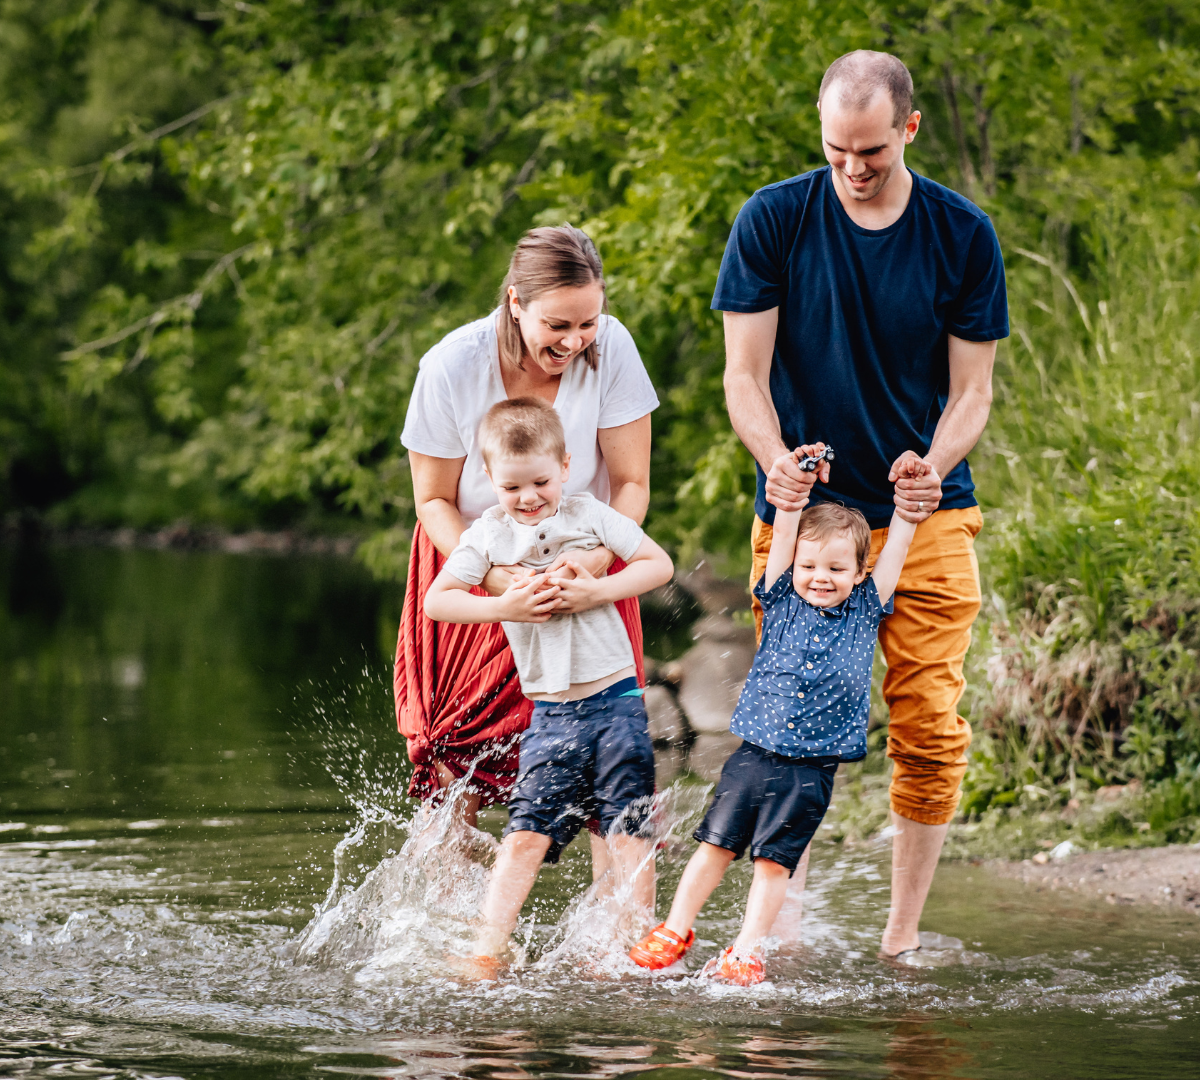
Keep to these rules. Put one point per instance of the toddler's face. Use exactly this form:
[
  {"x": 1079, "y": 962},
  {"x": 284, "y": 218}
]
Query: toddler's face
[
  {"x": 825, "y": 574},
  {"x": 529, "y": 488}
]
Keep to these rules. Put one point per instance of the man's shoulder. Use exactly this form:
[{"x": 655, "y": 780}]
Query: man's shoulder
[
  {"x": 959, "y": 207},
  {"x": 795, "y": 190}
]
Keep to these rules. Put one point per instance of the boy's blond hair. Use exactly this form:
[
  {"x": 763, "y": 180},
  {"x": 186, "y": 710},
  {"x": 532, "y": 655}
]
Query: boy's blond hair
[
  {"x": 827, "y": 520},
  {"x": 520, "y": 428}
]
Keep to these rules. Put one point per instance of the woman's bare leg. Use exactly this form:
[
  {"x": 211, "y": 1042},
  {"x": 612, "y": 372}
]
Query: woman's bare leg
[{"x": 468, "y": 803}]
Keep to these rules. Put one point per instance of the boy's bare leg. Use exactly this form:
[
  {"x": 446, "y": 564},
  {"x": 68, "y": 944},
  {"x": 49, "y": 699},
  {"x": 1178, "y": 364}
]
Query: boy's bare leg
[
  {"x": 787, "y": 923},
  {"x": 633, "y": 861},
  {"x": 468, "y": 803},
  {"x": 517, "y": 865},
  {"x": 767, "y": 893},
  {"x": 915, "y": 851},
  {"x": 703, "y": 873}
]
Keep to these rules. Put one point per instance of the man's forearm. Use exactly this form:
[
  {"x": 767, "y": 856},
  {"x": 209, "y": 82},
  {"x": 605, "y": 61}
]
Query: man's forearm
[
  {"x": 754, "y": 418},
  {"x": 958, "y": 430}
]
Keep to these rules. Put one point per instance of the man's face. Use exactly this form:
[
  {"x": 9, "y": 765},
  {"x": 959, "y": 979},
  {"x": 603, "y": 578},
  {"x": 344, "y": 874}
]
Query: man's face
[{"x": 864, "y": 146}]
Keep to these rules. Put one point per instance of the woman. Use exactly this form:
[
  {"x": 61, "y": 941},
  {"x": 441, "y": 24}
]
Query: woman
[{"x": 458, "y": 699}]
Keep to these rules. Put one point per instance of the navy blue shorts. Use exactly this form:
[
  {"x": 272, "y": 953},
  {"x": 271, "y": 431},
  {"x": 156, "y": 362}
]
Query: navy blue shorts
[
  {"x": 769, "y": 802},
  {"x": 584, "y": 759}
]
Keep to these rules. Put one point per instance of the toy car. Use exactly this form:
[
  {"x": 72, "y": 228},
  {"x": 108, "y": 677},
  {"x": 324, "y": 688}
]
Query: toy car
[{"x": 809, "y": 464}]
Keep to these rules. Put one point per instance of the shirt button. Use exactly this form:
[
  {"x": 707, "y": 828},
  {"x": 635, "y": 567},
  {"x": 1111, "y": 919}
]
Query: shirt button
[
  {"x": 809, "y": 666},
  {"x": 801, "y": 694},
  {"x": 791, "y": 725},
  {"x": 545, "y": 551},
  {"x": 817, "y": 640}
]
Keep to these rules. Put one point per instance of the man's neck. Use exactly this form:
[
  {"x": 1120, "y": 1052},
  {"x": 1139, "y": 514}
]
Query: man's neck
[{"x": 883, "y": 210}]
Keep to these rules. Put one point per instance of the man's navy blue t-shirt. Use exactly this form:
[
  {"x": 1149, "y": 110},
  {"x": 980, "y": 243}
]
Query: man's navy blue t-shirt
[{"x": 861, "y": 357}]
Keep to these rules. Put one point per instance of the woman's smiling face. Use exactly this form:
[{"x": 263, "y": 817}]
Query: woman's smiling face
[{"x": 558, "y": 325}]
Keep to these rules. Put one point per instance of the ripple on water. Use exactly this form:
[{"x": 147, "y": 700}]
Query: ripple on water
[{"x": 173, "y": 944}]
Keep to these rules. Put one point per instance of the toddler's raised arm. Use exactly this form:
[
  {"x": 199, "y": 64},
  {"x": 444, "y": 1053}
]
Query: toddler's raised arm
[{"x": 900, "y": 533}]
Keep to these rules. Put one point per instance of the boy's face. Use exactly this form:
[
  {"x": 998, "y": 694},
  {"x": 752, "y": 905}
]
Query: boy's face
[
  {"x": 529, "y": 488},
  {"x": 825, "y": 574}
]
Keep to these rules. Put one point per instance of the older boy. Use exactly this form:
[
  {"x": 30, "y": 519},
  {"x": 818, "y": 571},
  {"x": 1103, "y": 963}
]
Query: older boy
[{"x": 587, "y": 750}]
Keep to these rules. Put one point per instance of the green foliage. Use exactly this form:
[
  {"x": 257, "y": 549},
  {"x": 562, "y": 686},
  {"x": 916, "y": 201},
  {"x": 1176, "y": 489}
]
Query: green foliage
[{"x": 231, "y": 238}]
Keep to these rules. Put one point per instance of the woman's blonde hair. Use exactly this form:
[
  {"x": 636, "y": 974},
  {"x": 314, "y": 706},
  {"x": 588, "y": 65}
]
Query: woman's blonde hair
[{"x": 545, "y": 259}]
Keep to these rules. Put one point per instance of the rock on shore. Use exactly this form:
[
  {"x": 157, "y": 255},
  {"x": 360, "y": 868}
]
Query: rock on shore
[{"x": 1165, "y": 877}]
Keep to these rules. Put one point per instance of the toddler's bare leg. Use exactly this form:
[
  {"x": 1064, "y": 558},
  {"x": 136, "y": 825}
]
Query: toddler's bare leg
[
  {"x": 767, "y": 892},
  {"x": 787, "y": 924},
  {"x": 517, "y": 866},
  {"x": 703, "y": 874}
]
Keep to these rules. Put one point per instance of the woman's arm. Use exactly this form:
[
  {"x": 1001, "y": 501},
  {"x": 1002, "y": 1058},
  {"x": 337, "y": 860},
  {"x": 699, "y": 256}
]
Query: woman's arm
[
  {"x": 626, "y": 452},
  {"x": 435, "y": 492}
]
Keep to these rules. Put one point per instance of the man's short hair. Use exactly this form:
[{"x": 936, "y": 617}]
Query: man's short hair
[
  {"x": 861, "y": 74},
  {"x": 827, "y": 520},
  {"x": 520, "y": 428}
]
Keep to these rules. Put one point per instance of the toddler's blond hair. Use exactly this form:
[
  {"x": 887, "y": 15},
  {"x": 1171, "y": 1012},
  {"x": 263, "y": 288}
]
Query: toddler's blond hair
[
  {"x": 520, "y": 428},
  {"x": 827, "y": 520}
]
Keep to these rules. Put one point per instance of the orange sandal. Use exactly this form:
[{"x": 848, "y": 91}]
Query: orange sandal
[
  {"x": 661, "y": 948},
  {"x": 738, "y": 970}
]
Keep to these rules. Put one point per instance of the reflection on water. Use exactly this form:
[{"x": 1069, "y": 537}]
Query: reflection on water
[{"x": 181, "y": 927}]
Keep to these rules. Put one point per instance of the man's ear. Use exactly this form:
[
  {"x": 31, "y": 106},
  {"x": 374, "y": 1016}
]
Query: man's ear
[
  {"x": 911, "y": 125},
  {"x": 566, "y": 470}
]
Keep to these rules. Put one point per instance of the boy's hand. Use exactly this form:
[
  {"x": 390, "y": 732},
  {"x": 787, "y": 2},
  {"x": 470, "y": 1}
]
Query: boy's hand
[
  {"x": 787, "y": 485},
  {"x": 578, "y": 588},
  {"x": 530, "y": 598},
  {"x": 918, "y": 487}
]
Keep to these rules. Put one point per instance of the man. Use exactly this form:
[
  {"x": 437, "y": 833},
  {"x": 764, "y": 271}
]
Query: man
[{"x": 862, "y": 307}]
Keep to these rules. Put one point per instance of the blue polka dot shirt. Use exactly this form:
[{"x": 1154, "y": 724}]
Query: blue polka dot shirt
[{"x": 808, "y": 693}]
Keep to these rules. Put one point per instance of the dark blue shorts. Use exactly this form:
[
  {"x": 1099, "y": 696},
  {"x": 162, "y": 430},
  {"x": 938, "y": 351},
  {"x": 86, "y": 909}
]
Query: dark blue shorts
[
  {"x": 769, "y": 802},
  {"x": 584, "y": 759}
]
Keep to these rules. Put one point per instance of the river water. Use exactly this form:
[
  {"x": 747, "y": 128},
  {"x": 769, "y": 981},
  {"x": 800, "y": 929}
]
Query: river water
[{"x": 207, "y": 868}]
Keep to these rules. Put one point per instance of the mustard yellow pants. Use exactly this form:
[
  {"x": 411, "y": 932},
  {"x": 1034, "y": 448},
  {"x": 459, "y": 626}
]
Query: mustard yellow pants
[{"x": 924, "y": 644}]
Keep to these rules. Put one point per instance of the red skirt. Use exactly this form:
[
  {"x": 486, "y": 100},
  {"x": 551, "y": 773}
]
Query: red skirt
[{"x": 458, "y": 698}]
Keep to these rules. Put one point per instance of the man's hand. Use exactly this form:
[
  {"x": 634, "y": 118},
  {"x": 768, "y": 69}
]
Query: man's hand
[
  {"x": 787, "y": 486},
  {"x": 530, "y": 598},
  {"x": 918, "y": 487}
]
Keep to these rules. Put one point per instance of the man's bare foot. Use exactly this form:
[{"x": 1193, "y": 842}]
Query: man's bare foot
[
  {"x": 478, "y": 968},
  {"x": 893, "y": 945}
]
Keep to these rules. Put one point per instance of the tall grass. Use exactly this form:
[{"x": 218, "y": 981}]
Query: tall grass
[{"x": 1091, "y": 469}]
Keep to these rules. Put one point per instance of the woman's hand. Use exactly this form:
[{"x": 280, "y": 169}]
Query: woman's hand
[
  {"x": 597, "y": 560},
  {"x": 532, "y": 598},
  {"x": 499, "y": 578},
  {"x": 578, "y": 588}
]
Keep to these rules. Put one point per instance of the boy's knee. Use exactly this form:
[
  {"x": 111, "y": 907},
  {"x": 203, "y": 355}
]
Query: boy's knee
[{"x": 770, "y": 868}]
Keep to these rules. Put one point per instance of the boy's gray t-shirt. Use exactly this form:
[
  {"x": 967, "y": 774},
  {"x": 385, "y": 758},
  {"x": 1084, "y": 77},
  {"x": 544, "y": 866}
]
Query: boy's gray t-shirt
[{"x": 567, "y": 649}]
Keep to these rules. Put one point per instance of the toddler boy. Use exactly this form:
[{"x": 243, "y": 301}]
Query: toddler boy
[
  {"x": 802, "y": 711},
  {"x": 587, "y": 750}
]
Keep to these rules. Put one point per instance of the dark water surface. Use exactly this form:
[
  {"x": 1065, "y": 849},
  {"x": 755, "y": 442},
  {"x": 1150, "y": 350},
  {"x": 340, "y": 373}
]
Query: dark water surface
[{"x": 189, "y": 744}]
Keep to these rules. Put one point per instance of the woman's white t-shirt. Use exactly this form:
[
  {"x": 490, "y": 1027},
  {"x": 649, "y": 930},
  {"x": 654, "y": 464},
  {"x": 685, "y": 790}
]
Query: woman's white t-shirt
[{"x": 459, "y": 380}]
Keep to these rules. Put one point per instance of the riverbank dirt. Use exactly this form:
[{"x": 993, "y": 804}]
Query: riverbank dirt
[{"x": 1164, "y": 877}]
